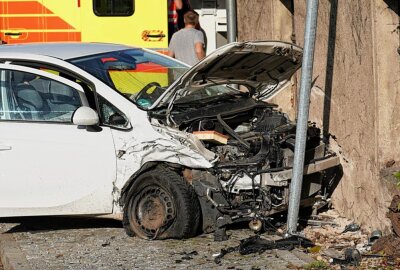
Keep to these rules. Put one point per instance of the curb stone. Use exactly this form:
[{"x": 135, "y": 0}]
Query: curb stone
[{"x": 11, "y": 255}]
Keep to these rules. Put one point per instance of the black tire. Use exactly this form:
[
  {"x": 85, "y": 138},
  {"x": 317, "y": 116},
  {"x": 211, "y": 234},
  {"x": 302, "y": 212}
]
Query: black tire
[{"x": 161, "y": 205}]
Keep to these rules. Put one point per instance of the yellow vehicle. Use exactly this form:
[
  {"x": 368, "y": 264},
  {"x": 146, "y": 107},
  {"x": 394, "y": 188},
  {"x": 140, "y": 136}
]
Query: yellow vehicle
[
  {"x": 141, "y": 23},
  {"x": 132, "y": 22}
]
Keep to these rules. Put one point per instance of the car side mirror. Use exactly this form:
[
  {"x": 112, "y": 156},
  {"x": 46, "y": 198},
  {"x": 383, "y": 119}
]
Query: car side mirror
[{"x": 85, "y": 116}]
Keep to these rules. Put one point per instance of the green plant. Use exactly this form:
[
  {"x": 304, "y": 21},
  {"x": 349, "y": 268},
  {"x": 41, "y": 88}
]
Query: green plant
[
  {"x": 397, "y": 175},
  {"x": 317, "y": 265}
]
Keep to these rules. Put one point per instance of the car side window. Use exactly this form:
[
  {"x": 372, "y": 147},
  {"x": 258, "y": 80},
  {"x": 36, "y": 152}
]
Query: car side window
[
  {"x": 30, "y": 97},
  {"x": 111, "y": 116},
  {"x": 113, "y": 8}
]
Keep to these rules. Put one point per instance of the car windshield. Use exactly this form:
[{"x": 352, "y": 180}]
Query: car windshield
[{"x": 140, "y": 75}]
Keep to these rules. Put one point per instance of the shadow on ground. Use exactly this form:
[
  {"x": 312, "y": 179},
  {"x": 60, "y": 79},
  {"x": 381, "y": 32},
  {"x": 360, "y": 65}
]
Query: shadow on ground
[{"x": 36, "y": 224}]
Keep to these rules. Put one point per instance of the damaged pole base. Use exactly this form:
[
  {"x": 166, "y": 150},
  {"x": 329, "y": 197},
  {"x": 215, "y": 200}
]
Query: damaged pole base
[
  {"x": 291, "y": 235},
  {"x": 220, "y": 234}
]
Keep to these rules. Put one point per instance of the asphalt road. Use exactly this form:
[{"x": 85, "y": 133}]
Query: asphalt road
[{"x": 80, "y": 243}]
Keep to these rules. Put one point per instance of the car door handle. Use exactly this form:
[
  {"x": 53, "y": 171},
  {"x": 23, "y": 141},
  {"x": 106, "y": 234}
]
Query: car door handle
[
  {"x": 16, "y": 34},
  {"x": 4, "y": 147},
  {"x": 155, "y": 35}
]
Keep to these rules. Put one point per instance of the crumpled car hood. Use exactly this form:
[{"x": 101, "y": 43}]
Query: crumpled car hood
[{"x": 263, "y": 66}]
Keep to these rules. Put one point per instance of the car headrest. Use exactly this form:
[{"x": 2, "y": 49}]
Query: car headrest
[
  {"x": 29, "y": 96},
  {"x": 61, "y": 89},
  {"x": 20, "y": 77}
]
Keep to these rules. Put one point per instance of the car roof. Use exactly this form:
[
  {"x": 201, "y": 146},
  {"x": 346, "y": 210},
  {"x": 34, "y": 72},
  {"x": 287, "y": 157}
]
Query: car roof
[{"x": 63, "y": 51}]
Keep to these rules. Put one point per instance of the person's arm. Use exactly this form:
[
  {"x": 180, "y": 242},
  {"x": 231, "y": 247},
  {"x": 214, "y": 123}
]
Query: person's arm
[
  {"x": 200, "y": 53},
  {"x": 199, "y": 45},
  {"x": 171, "y": 47},
  {"x": 178, "y": 4}
]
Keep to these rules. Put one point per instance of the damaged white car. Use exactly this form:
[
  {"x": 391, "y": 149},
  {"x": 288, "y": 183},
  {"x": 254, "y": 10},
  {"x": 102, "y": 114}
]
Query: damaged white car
[{"x": 103, "y": 129}]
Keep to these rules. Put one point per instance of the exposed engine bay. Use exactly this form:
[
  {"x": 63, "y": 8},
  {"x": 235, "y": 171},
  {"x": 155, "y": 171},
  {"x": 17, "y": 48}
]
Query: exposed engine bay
[{"x": 255, "y": 145}]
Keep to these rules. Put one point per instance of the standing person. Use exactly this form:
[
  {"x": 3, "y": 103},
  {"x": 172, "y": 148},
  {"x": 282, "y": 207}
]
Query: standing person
[
  {"x": 187, "y": 45},
  {"x": 173, "y": 7}
]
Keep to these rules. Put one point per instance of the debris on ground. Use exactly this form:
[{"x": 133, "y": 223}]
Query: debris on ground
[
  {"x": 318, "y": 221},
  {"x": 389, "y": 245},
  {"x": 348, "y": 246},
  {"x": 394, "y": 214},
  {"x": 108, "y": 241},
  {"x": 352, "y": 256},
  {"x": 375, "y": 235},
  {"x": 256, "y": 244},
  {"x": 186, "y": 256},
  {"x": 334, "y": 242},
  {"x": 353, "y": 227}
]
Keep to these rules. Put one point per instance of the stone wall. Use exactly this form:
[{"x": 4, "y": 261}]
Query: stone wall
[
  {"x": 356, "y": 90},
  {"x": 269, "y": 20}
]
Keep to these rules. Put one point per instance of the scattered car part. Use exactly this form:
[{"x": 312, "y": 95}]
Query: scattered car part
[
  {"x": 353, "y": 227},
  {"x": 255, "y": 244},
  {"x": 376, "y": 256},
  {"x": 256, "y": 225},
  {"x": 375, "y": 235},
  {"x": 318, "y": 221}
]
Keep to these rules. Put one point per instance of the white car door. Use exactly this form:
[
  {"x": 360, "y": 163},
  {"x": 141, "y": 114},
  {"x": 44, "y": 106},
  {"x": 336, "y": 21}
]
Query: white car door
[{"x": 49, "y": 166}]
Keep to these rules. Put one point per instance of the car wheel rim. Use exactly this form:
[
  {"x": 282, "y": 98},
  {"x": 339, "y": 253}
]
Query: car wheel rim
[{"x": 153, "y": 211}]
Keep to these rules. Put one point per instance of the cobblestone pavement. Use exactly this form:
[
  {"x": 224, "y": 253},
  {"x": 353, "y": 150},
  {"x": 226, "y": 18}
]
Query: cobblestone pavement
[{"x": 77, "y": 243}]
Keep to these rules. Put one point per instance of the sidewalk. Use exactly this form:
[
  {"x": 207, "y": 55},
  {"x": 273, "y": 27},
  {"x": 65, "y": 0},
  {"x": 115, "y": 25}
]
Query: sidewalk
[
  {"x": 62, "y": 243},
  {"x": 11, "y": 256}
]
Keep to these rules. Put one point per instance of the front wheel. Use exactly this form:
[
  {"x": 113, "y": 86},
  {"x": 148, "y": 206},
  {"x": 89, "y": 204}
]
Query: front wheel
[{"x": 160, "y": 205}]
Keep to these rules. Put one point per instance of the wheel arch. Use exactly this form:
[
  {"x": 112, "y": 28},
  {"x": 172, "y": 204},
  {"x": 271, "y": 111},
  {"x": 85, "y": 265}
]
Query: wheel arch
[{"x": 125, "y": 191}]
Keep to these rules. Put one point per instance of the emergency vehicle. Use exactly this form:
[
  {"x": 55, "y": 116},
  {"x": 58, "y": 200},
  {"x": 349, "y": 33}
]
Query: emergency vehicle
[{"x": 142, "y": 23}]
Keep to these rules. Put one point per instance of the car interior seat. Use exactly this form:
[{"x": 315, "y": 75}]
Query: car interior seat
[
  {"x": 29, "y": 100},
  {"x": 63, "y": 98},
  {"x": 31, "y": 103}
]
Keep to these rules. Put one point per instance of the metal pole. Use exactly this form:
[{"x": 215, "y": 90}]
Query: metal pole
[
  {"x": 231, "y": 20},
  {"x": 302, "y": 121}
]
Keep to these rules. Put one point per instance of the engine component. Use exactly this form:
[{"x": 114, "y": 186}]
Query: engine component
[
  {"x": 241, "y": 182},
  {"x": 269, "y": 121},
  {"x": 255, "y": 225}
]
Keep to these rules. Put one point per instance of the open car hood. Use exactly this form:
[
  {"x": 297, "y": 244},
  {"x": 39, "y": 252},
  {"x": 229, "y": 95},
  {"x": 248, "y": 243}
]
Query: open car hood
[{"x": 263, "y": 66}]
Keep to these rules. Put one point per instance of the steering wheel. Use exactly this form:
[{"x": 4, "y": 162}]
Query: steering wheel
[{"x": 143, "y": 91}]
